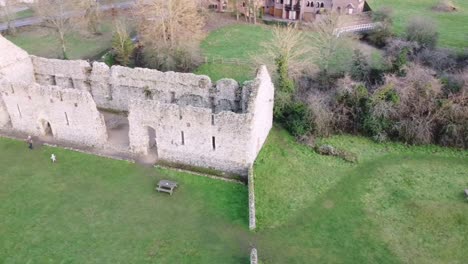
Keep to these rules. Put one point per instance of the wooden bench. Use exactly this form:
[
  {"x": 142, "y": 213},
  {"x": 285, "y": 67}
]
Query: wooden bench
[{"x": 166, "y": 186}]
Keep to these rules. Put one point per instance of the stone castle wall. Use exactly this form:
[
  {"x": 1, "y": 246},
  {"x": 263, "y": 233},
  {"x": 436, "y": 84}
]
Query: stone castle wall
[
  {"x": 112, "y": 87},
  {"x": 70, "y": 115},
  {"x": 179, "y": 117}
]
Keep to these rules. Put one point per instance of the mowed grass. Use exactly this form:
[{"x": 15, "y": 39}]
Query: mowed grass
[
  {"x": 235, "y": 42},
  {"x": 399, "y": 204},
  {"x": 44, "y": 42},
  {"x": 86, "y": 209},
  {"x": 453, "y": 26}
]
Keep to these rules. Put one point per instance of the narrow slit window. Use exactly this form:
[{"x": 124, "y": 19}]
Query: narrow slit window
[
  {"x": 213, "y": 142},
  {"x": 172, "y": 97},
  {"x": 19, "y": 111},
  {"x": 212, "y": 120},
  {"x": 212, "y": 104},
  {"x": 66, "y": 118},
  {"x": 182, "y": 137}
]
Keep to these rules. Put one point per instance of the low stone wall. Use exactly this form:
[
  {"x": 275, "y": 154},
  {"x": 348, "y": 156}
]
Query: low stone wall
[
  {"x": 251, "y": 185},
  {"x": 253, "y": 256}
]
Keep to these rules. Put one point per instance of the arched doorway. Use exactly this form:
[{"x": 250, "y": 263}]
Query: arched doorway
[{"x": 46, "y": 128}]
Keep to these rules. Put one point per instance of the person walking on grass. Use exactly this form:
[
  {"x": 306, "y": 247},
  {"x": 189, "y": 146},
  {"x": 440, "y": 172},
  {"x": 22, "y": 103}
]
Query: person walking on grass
[
  {"x": 53, "y": 158},
  {"x": 30, "y": 142}
]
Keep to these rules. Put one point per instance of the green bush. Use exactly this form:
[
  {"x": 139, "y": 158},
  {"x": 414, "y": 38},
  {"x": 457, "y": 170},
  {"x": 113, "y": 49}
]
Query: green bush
[
  {"x": 452, "y": 84},
  {"x": 297, "y": 119}
]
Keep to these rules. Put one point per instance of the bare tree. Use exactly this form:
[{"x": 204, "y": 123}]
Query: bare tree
[
  {"x": 7, "y": 15},
  {"x": 92, "y": 15},
  {"x": 290, "y": 44},
  {"x": 58, "y": 14},
  {"x": 170, "y": 29},
  {"x": 328, "y": 49}
]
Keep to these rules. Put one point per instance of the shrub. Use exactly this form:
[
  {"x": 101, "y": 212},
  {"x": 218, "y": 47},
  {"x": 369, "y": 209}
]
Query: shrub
[
  {"x": 423, "y": 31},
  {"x": 454, "y": 122},
  {"x": 396, "y": 46},
  {"x": 441, "y": 60},
  {"x": 452, "y": 84},
  {"x": 381, "y": 35},
  {"x": 181, "y": 60},
  {"x": 415, "y": 116},
  {"x": 297, "y": 119},
  {"x": 360, "y": 68},
  {"x": 384, "y": 14},
  {"x": 322, "y": 116},
  {"x": 445, "y": 6}
]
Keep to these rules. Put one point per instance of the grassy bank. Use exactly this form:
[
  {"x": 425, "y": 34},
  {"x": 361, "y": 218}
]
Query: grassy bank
[
  {"x": 397, "y": 205},
  {"x": 235, "y": 42},
  {"x": 453, "y": 26}
]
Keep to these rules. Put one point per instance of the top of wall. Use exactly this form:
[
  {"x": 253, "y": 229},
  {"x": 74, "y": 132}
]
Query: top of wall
[{"x": 10, "y": 53}]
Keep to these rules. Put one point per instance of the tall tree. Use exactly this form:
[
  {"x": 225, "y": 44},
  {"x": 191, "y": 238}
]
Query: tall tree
[
  {"x": 8, "y": 15},
  {"x": 92, "y": 15},
  {"x": 330, "y": 52},
  {"x": 58, "y": 14},
  {"x": 170, "y": 29}
]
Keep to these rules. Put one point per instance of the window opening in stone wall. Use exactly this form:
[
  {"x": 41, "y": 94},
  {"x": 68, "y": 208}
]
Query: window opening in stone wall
[
  {"x": 182, "y": 137},
  {"x": 212, "y": 120},
  {"x": 19, "y": 111},
  {"x": 66, "y": 118},
  {"x": 212, "y": 104},
  {"x": 213, "y": 142},
  {"x": 172, "y": 97},
  {"x": 152, "y": 143},
  {"x": 70, "y": 83},
  {"x": 54, "y": 80}
]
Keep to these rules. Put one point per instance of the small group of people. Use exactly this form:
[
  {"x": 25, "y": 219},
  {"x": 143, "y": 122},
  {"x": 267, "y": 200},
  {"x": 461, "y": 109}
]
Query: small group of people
[{"x": 30, "y": 142}]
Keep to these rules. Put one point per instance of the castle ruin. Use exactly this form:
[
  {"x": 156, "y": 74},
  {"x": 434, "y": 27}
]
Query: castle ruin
[{"x": 180, "y": 118}]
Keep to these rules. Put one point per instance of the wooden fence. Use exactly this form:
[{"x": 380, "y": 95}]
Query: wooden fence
[{"x": 221, "y": 60}]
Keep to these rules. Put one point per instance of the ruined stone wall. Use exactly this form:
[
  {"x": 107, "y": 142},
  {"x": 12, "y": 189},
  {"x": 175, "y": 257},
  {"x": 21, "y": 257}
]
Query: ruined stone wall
[
  {"x": 194, "y": 122},
  {"x": 191, "y": 135},
  {"x": 15, "y": 66},
  {"x": 112, "y": 87},
  {"x": 72, "y": 114},
  {"x": 260, "y": 105},
  {"x": 15, "y": 63},
  {"x": 67, "y": 74}
]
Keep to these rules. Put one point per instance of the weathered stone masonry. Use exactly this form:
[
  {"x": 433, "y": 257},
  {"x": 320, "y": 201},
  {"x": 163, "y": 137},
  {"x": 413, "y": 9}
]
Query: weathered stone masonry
[{"x": 179, "y": 117}]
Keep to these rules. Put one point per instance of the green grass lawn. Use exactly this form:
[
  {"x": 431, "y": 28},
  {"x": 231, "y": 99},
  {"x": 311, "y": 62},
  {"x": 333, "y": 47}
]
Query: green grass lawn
[
  {"x": 86, "y": 209},
  {"x": 43, "y": 42},
  {"x": 399, "y": 204},
  {"x": 241, "y": 42},
  {"x": 453, "y": 27}
]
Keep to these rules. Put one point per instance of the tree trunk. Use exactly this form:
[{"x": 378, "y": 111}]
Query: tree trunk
[
  {"x": 62, "y": 42},
  {"x": 255, "y": 10}
]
